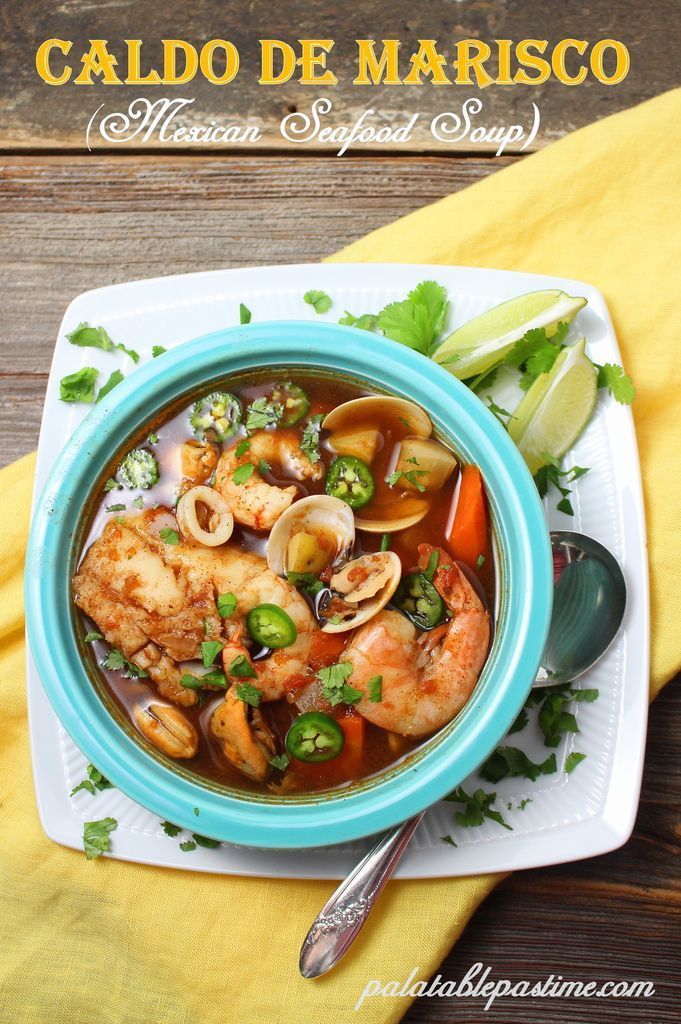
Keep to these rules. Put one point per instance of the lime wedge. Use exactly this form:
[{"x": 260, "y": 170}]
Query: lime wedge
[
  {"x": 556, "y": 408},
  {"x": 483, "y": 342}
]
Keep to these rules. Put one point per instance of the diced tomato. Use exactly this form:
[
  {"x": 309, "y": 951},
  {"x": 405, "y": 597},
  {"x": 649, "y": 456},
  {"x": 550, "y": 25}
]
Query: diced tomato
[
  {"x": 468, "y": 540},
  {"x": 297, "y": 681},
  {"x": 326, "y": 648}
]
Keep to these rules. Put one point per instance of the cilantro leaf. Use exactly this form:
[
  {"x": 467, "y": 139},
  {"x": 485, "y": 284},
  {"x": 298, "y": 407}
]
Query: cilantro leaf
[
  {"x": 242, "y": 448},
  {"x": 116, "y": 661},
  {"x": 263, "y": 467},
  {"x": 407, "y": 323},
  {"x": 79, "y": 386},
  {"x": 243, "y": 473},
  {"x": 135, "y": 356},
  {"x": 96, "y": 836},
  {"x": 365, "y": 322},
  {"x": 572, "y": 760},
  {"x": 93, "y": 635},
  {"x": 553, "y": 719},
  {"x": 280, "y": 762},
  {"x": 241, "y": 668},
  {"x": 248, "y": 693},
  {"x": 170, "y": 829},
  {"x": 520, "y": 722},
  {"x": 310, "y": 439},
  {"x": 320, "y": 301},
  {"x": 618, "y": 383},
  {"x": 112, "y": 485},
  {"x": 552, "y": 475},
  {"x": 157, "y": 350},
  {"x": 350, "y": 694},
  {"x": 244, "y": 314},
  {"x": 187, "y": 846},
  {"x": 86, "y": 336},
  {"x": 115, "y": 378},
  {"x": 375, "y": 689},
  {"x": 216, "y": 678},
  {"x": 448, "y": 839},
  {"x": 476, "y": 808},
  {"x": 226, "y": 605},
  {"x": 434, "y": 297},
  {"x": 306, "y": 581},
  {"x": 511, "y": 762},
  {"x": 209, "y": 844},
  {"x": 209, "y": 651},
  {"x": 334, "y": 679},
  {"x": 262, "y": 414},
  {"x": 169, "y": 536}
]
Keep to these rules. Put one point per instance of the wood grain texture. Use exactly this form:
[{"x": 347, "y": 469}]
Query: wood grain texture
[
  {"x": 71, "y": 224},
  {"x": 34, "y": 115},
  {"x": 76, "y": 223}
]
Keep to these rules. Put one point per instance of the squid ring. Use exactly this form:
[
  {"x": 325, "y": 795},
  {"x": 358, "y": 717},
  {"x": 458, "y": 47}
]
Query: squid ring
[{"x": 220, "y": 524}]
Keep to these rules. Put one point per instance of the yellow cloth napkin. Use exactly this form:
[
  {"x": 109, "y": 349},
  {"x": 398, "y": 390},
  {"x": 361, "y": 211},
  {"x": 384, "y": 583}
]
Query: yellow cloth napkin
[{"x": 122, "y": 943}]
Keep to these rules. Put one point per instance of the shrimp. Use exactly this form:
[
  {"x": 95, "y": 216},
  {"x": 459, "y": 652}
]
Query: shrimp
[
  {"x": 427, "y": 679},
  {"x": 254, "y": 502}
]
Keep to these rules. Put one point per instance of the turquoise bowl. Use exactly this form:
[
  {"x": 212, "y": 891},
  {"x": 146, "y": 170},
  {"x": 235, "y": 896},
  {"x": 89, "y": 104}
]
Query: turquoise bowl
[{"x": 525, "y": 588}]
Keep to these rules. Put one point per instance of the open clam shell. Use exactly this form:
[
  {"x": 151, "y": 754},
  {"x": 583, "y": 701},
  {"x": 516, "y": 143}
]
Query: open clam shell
[
  {"x": 363, "y": 410},
  {"x": 329, "y": 521},
  {"x": 365, "y": 586}
]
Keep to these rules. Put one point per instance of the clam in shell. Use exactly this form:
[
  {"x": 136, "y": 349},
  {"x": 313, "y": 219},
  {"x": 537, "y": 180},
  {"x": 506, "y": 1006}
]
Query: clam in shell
[
  {"x": 364, "y": 410},
  {"x": 365, "y": 586},
  {"x": 310, "y": 535}
]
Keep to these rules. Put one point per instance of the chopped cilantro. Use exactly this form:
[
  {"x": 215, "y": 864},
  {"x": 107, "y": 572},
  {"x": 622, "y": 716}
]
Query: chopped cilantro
[
  {"x": 244, "y": 314},
  {"x": 94, "y": 782},
  {"x": 115, "y": 508},
  {"x": 248, "y": 693},
  {"x": 334, "y": 682},
  {"x": 508, "y": 762},
  {"x": 618, "y": 383},
  {"x": 263, "y": 467},
  {"x": 310, "y": 439},
  {"x": 418, "y": 321},
  {"x": 572, "y": 760},
  {"x": 241, "y": 668},
  {"x": 375, "y": 689},
  {"x": 320, "y": 301},
  {"x": 196, "y": 811},
  {"x": 169, "y": 536},
  {"x": 86, "y": 336},
  {"x": 138, "y": 502},
  {"x": 523, "y": 803},
  {"x": 170, "y": 829},
  {"x": 306, "y": 581},
  {"x": 480, "y": 561},
  {"x": 96, "y": 836},
  {"x": 503, "y": 415},
  {"x": 214, "y": 678},
  {"x": 476, "y": 808},
  {"x": 93, "y": 635},
  {"x": 242, "y": 473},
  {"x": 552, "y": 474},
  {"x": 115, "y": 661},
  {"x": 242, "y": 447},
  {"x": 553, "y": 719},
  {"x": 115, "y": 378},
  {"x": 152, "y": 438},
  {"x": 365, "y": 322},
  {"x": 448, "y": 839},
  {"x": 209, "y": 844},
  {"x": 262, "y": 414},
  {"x": 520, "y": 722},
  {"x": 226, "y": 605},
  {"x": 112, "y": 485},
  {"x": 209, "y": 651},
  {"x": 385, "y": 542},
  {"x": 280, "y": 762},
  {"x": 187, "y": 846},
  {"x": 79, "y": 386},
  {"x": 157, "y": 350}
]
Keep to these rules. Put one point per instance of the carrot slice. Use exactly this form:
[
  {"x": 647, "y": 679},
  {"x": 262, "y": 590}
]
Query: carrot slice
[{"x": 469, "y": 536}]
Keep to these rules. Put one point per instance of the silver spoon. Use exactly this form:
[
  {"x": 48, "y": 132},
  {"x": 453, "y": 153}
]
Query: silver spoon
[{"x": 588, "y": 607}]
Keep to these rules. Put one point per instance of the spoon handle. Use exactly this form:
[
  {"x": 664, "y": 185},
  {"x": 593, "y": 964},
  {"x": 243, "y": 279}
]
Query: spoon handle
[{"x": 342, "y": 917}]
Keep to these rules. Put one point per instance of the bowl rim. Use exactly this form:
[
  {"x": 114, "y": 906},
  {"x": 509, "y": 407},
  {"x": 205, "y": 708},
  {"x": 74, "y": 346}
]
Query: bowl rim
[{"x": 339, "y": 815}]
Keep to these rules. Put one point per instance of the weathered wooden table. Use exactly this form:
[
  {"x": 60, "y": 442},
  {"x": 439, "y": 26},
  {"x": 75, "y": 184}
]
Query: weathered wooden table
[{"x": 72, "y": 221}]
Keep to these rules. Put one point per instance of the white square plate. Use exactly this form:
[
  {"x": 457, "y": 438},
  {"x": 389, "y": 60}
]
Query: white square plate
[{"x": 566, "y": 817}]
